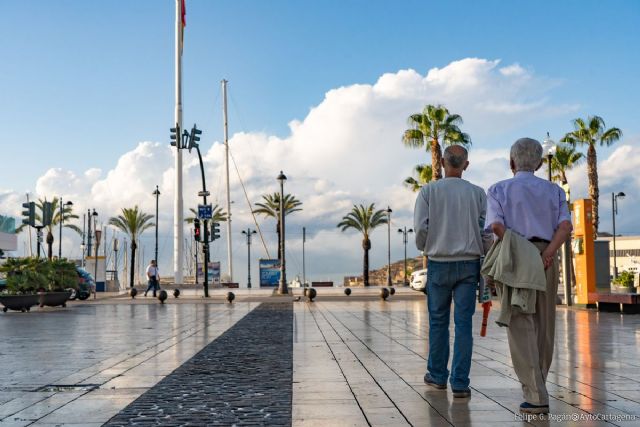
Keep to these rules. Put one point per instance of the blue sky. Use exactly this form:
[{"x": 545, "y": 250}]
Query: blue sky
[{"x": 83, "y": 83}]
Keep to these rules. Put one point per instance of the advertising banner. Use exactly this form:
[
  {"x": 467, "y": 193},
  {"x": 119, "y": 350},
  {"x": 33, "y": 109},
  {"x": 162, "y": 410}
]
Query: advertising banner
[
  {"x": 213, "y": 272},
  {"x": 269, "y": 272}
]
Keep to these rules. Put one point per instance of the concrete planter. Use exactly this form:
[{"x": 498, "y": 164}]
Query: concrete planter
[
  {"x": 53, "y": 299},
  {"x": 19, "y": 302}
]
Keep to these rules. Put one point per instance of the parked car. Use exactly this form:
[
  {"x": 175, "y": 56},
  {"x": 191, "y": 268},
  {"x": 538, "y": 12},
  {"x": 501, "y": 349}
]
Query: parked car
[
  {"x": 85, "y": 285},
  {"x": 419, "y": 280}
]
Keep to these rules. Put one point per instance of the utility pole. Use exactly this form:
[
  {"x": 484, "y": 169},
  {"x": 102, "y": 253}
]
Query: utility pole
[
  {"x": 389, "y": 246},
  {"x": 304, "y": 270},
  {"x": 405, "y": 239},
  {"x": 226, "y": 165},
  {"x": 157, "y": 194}
]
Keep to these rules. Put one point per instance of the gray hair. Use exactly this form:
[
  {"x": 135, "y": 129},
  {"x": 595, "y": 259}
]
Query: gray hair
[
  {"x": 526, "y": 154},
  {"x": 455, "y": 156}
]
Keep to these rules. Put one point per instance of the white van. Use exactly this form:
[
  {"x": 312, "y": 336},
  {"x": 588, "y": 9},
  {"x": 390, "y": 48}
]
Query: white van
[{"x": 419, "y": 280}]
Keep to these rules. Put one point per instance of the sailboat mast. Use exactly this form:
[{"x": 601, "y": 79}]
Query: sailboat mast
[{"x": 226, "y": 164}]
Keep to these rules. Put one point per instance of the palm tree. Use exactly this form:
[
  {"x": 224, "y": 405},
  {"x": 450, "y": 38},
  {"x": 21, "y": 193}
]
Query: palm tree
[
  {"x": 364, "y": 219},
  {"x": 271, "y": 208},
  {"x": 424, "y": 174},
  {"x": 67, "y": 215},
  {"x": 132, "y": 222},
  {"x": 565, "y": 159},
  {"x": 217, "y": 215},
  {"x": 592, "y": 132},
  {"x": 431, "y": 128}
]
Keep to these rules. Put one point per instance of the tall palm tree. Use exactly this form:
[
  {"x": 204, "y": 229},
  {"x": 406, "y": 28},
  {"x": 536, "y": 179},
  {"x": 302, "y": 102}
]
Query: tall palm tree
[
  {"x": 565, "y": 159},
  {"x": 132, "y": 222},
  {"x": 217, "y": 215},
  {"x": 434, "y": 127},
  {"x": 592, "y": 132},
  {"x": 424, "y": 174},
  {"x": 270, "y": 207},
  {"x": 364, "y": 219},
  {"x": 66, "y": 216}
]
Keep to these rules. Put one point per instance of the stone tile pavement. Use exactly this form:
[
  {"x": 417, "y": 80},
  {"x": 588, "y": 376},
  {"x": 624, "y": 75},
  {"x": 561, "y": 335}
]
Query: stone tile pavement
[{"x": 355, "y": 362}]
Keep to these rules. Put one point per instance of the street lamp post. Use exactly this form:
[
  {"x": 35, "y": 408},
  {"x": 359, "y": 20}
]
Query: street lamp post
[
  {"x": 614, "y": 209},
  {"x": 69, "y": 203},
  {"x": 282, "y": 287},
  {"x": 389, "y": 246},
  {"x": 405, "y": 239},
  {"x": 549, "y": 148},
  {"x": 157, "y": 194},
  {"x": 248, "y": 233}
]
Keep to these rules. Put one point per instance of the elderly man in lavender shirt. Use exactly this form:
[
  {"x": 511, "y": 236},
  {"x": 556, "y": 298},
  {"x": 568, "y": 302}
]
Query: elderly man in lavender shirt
[{"x": 537, "y": 210}]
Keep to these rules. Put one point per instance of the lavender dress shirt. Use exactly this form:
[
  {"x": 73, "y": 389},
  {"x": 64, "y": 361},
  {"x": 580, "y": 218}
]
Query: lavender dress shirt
[{"x": 528, "y": 205}]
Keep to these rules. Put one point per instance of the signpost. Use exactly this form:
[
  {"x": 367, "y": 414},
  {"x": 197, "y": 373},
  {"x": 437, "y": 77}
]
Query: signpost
[{"x": 269, "y": 272}]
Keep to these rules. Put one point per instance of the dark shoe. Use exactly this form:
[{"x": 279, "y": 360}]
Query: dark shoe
[
  {"x": 465, "y": 392},
  {"x": 429, "y": 381},
  {"x": 145, "y": 294},
  {"x": 528, "y": 408}
]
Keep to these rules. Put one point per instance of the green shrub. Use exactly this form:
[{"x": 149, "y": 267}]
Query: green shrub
[
  {"x": 624, "y": 279},
  {"x": 31, "y": 275}
]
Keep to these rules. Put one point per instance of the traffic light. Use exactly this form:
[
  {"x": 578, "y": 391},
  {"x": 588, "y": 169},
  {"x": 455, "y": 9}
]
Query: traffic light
[
  {"x": 194, "y": 138},
  {"x": 29, "y": 215},
  {"x": 196, "y": 229},
  {"x": 215, "y": 230},
  {"x": 47, "y": 213},
  {"x": 175, "y": 136}
]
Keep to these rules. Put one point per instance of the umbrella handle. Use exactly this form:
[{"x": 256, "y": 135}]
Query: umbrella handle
[{"x": 486, "y": 307}]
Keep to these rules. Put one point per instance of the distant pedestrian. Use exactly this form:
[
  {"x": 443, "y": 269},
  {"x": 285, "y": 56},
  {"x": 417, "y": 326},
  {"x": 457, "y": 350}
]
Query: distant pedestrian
[
  {"x": 153, "y": 277},
  {"x": 449, "y": 222},
  {"x": 531, "y": 208}
]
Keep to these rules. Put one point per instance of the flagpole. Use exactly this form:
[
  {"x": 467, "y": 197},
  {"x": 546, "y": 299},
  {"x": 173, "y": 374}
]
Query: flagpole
[
  {"x": 226, "y": 163},
  {"x": 178, "y": 229}
]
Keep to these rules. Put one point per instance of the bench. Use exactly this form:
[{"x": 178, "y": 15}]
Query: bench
[
  {"x": 614, "y": 302},
  {"x": 322, "y": 284}
]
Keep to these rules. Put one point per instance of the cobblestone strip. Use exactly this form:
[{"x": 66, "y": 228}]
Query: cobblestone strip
[{"x": 244, "y": 377}]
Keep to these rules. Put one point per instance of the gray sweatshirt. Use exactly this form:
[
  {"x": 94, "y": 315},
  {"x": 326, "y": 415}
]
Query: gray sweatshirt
[{"x": 449, "y": 220}]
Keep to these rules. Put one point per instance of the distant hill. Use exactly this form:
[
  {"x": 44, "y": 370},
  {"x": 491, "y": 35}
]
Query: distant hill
[{"x": 379, "y": 276}]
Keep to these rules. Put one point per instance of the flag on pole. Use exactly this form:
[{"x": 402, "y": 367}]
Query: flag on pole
[{"x": 183, "y": 19}]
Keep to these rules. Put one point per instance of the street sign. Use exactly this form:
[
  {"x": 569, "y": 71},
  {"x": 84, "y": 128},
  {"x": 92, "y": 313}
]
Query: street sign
[{"x": 204, "y": 211}]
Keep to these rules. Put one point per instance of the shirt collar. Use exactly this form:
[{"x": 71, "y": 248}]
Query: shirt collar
[{"x": 524, "y": 174}]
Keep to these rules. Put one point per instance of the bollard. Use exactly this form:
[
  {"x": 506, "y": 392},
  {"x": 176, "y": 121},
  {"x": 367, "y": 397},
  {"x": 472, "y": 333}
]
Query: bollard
[
  {"x": 347, "y": 291},
  {"x": 384, "y": 293},
  {"x": 304, "y": 292},
  {"x": 230, "y": 297},
  {"x": 311, "y": 294},
  {"x": 133, "y": 292},
  {"x": 162, "y": 296},
  {"x": 392, "y": 290},
  {"x": 176, "y": 293}
]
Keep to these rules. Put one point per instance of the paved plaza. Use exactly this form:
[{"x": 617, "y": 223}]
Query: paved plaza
[{"x": 339, "y": 361}]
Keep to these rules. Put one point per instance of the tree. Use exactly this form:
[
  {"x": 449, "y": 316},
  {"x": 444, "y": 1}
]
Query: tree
[
  {"x": 271, "y": 208},
  {"x": 565, "y": 159},
  {"x": 592, "y": 132},
  {"x": 67, "y": 215},
  {"x": 424, "y": 174},
  {"x": 434, "y": 127},
  {"x": 217, "y": 215},
  {"x": 364, "y": 219},
  {"x": 132, "y": 222}
]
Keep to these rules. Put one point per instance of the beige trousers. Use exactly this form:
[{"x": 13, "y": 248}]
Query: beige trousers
[{"x": 531, "y": 339}]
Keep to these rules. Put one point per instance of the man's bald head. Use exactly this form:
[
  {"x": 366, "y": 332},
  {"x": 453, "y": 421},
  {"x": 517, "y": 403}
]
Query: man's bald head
[{"x": 455, "y": 156}]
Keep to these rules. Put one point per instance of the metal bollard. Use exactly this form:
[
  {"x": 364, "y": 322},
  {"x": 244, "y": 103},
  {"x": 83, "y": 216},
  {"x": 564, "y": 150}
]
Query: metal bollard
[
  {"x": 133, "y": 292},
  {"x": 311, "y": 294},
  {"x": 347, "y": 291},
  {"x": 384, "y": 293},
  {"x": 162, "y": 296},
  {"x": 230, "y": 297},
  {"x": 176, "y": 293}
]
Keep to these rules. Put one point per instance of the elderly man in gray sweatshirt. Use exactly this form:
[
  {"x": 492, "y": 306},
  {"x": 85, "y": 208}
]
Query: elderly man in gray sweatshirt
[{"x": 449, "y": 221}]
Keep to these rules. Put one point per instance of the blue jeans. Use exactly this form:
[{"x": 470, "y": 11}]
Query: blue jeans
[
  {"x": 152, "y": 285},
  {"x": 457, "y": 280}
]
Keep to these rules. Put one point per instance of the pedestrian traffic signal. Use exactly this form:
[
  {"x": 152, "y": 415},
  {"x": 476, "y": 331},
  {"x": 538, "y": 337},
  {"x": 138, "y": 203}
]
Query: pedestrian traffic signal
[
  {"x": 196, "y": 229},
  {"x": 194, "y": 138},
  {"x": 175, "y": 136},
  {"x": 215, "y": 230},
  {"x": 29, "y": 214}
]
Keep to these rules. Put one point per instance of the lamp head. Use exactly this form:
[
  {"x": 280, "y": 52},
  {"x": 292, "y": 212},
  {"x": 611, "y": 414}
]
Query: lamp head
[
  {"x": 281, "y": 177},
  {"x": 620, "y": 195},
  {"x": 94, "y": 213},
  {"x": 410, "y": 230},
  {"x": 389, "y": 210},
  {"x": 399, "y": 230},
  {"x": 156, "y": 192},
  {"x": 549, "y": 146},
  {"x": 69, "y": 203}
]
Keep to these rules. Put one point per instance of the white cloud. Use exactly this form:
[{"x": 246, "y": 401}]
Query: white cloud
[{"x": 346, "y": 150}]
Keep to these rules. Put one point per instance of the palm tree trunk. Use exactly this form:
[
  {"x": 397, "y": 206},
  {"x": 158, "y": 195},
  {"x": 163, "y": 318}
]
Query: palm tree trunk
[
  {"x": 436, "y": 160},
  {"x": 594, "y": 191},
  {"x": 49, "y": 244},
  {"x": 366, "y": 245},
  {"x": 132, "y": 273}
]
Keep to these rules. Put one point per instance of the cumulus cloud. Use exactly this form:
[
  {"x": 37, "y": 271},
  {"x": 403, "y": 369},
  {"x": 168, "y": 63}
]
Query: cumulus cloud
[{"x": 346, "y": 150}]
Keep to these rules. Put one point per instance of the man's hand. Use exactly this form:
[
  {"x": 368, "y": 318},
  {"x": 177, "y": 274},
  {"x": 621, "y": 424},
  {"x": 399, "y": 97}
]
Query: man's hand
[
  {"x": 547, "y": 258},
  {"x": 498, "y": 229}
]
